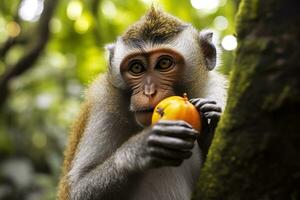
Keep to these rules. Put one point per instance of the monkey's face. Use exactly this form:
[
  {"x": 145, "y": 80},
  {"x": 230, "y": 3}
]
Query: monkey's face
[
  {"x": 151, "y": 56},
  {"x": 151, "y": 76}
]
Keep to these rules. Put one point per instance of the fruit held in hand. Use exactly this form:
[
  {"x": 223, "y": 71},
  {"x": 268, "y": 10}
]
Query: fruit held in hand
[{"x": 177, "y": 108}]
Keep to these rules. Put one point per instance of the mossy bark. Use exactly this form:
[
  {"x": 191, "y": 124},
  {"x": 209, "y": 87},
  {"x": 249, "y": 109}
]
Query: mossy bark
[{"x": 256, "y": 150}]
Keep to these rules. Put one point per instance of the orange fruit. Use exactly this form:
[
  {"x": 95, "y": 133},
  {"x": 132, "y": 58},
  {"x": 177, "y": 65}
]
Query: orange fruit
[{"x": 177, "y": 108}]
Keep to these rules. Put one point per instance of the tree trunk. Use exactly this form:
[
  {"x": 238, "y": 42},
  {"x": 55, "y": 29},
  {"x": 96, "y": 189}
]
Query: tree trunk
[{"x": 256, "y": 150}]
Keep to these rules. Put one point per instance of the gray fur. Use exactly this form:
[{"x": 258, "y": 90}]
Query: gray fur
[{"x": 104, "y": 166}]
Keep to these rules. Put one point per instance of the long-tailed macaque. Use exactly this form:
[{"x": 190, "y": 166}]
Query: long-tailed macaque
[{"x": 114, "y": 152}]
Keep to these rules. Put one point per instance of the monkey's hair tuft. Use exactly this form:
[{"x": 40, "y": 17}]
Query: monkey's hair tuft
[{"x": 155, "y": 26}]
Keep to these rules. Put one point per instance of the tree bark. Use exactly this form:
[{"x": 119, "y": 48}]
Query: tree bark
[{"x": 256, "y": 150}]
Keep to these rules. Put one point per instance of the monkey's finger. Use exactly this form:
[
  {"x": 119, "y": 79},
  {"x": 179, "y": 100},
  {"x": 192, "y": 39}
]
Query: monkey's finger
[
  {"x": 176, "y": 131},
  {"x": 210, "y": 107},
  {"x": 212, "y": 115},
  {"x": 200, "y": 102},
  {"x": 174, "y": 123},
  {"x": 169, "y": 153},
  {"x": 170, "y": 142},
  {"x": 196, "y": 100}
]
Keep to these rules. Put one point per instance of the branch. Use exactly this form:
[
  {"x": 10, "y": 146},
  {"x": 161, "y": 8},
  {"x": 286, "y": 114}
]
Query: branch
[
  {"x": 11, "y": 41},
  {"x": 27, "y": 61},
  {"x": 6, "y": 46},
  {"x": 94, "y": 7}
]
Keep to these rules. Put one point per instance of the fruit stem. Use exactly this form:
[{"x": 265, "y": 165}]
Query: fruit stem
[{"x": 185, "y": 97}]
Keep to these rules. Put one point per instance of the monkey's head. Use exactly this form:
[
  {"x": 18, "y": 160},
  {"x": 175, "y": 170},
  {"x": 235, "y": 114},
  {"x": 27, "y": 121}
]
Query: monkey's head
[{"x": 157, "y": 57}]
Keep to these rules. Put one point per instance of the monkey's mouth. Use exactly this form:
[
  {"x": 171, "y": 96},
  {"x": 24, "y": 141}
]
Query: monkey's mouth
[
  {"x": 143, "y": 116},
  {"x": 144, "y": 110}
]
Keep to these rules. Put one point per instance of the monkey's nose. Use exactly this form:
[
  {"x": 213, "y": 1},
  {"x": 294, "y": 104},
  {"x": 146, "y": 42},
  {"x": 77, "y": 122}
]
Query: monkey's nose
[{"x": 149, "y": 90}]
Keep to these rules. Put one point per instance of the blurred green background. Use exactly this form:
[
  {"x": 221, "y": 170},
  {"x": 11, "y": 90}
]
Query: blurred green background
[{"x": 44, "y": 99}]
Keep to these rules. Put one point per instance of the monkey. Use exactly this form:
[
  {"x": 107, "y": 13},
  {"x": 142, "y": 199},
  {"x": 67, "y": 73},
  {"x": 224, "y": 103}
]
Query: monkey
[{"x": 113, "y": 151}]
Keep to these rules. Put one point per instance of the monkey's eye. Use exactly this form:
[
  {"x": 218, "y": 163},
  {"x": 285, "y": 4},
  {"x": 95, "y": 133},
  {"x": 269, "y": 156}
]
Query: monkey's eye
[
  {"x": 136, "y": 68},
  {"x": 164, "y": 63}
]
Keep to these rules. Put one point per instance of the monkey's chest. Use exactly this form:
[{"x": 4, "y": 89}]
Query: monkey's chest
[{"x": 170, "y": 183}]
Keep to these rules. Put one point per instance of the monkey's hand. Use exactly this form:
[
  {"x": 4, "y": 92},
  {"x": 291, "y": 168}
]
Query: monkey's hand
[
  {"x": 210, "y": 112},
  {"x": 166, "y": 143},
  {"x": 210, "y": 116},
  {"x": 170, "y": 142}
]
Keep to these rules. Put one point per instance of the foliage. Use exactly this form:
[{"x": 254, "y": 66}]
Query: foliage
[{"x": 42, "y": 102}]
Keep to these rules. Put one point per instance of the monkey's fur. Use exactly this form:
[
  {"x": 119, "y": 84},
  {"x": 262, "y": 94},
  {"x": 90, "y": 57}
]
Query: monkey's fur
[
  {"x": 105, "y": 137},
  {"x": 156, "y": 26}
]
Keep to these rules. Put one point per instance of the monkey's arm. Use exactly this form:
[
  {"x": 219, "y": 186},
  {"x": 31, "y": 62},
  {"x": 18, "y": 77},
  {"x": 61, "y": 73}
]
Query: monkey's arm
[
  {"x": 108, "y": 180},
  {"x": 210, "y": 114},
  {"x": 167, "y": 143}
]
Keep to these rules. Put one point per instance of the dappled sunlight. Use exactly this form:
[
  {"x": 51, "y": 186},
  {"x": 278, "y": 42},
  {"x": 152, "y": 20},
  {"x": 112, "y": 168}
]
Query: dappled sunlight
[
  {"x": 31, "y": 10},
  {"x": 82, "y": 24},
  {"x": 229, "y": 42},
  {"x": 13, "y": 29},
  {"x": 109, "y": 9},
  {"x": 74, "y": 9},
  {"x": 220, "y": 23},
  {"x": 208, "y": 6}
]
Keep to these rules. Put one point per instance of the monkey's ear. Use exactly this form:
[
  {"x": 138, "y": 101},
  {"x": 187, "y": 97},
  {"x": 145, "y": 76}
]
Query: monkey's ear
[
  {"x": 111, "y": 50},
  {"x": 208, "y": 49}
]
